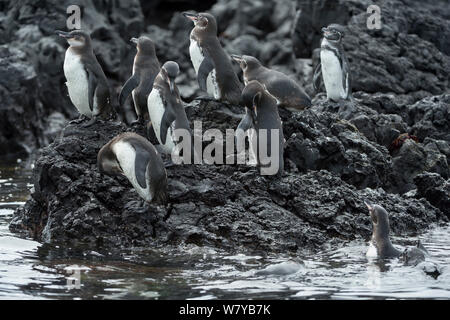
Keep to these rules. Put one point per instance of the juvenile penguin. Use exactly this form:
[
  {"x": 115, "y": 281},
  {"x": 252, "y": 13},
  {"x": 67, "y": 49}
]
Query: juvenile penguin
[
  {"x": 136, "y": 158},
  {"x": 288, "y": 93},
  {"x": 145, "y": 68},
  {"x": 262, "y": 116},
  {"x": 215, "y": 74},
  {"x": 333, "y": 66},
  {"x": 165, "y": 107},
  {"x": 86, "y": 82}
]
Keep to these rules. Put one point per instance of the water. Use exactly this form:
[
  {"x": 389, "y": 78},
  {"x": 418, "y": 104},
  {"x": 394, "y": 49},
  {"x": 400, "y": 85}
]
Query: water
[{"x": 30, "y": 270}]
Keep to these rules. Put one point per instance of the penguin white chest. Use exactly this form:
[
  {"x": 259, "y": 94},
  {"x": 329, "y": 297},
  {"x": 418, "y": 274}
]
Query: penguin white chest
[
  {"x": 332, "y": 75},
  {"x": 372, "y": 252},
  {"x": 197, "y": 57},
  {"x": 77, "y": 83},
  {"x": 156, "y": 109},
  {"x": 126, "y": 155}
]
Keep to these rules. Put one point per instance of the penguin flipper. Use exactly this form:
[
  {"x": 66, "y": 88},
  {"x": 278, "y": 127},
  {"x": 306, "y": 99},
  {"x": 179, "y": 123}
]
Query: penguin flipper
[
  {"x": 92, "y": 85},
  {"x": 129, "y": 86},
  {"x": 246, "y": 122},
  {"x": 167, "y": 119},
  {"x": 140, "y": 164},
  {"x": 205, "y": 68},
  {"x": 317, "y": 77}
]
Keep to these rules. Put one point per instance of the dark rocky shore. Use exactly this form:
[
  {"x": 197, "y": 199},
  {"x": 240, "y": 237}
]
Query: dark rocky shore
[{"x": 337, "y": 154}]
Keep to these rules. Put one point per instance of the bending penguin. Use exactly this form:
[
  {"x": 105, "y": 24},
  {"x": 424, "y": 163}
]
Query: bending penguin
[
  {"x": 145, "y": 69},
  {"x": 86, "y": 82},
  {"x": 261, "y": 115},
  {"x": 136, "y": 158},
  {"x": 333, "y": 66},
  {"x": 287, "y": 92},
  {"x": 165, "y": 107},
  {"x": 215, "y": 74}
]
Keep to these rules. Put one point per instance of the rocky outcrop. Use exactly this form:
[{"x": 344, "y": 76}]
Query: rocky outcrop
[{"x": 225, "y": 206}]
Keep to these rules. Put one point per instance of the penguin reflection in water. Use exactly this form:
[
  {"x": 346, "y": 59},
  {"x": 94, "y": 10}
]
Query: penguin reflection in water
[
  {"x": 86, "y": 82},
  {"x": 263, "y": 125},
  {"x": 136, "y": 158},
  {"x": 333, "y": 66},
  {"x": 212, "y": 64},
  {"x": 145, "y": 69}
]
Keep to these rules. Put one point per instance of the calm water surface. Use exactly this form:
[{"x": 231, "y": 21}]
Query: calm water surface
[{"x": 30, "y": 270}]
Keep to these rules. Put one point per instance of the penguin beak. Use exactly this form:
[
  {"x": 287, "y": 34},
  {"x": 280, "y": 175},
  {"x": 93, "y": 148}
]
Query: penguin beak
[
  {"x": 369, "y": 205},
  {"x": 134, "y": 40},
  {"x": 191, "y": 16},
  {"x": 63, "y": 34},
  {"x": 171, "y": 85},
  {"x": 236, "y": 58}
]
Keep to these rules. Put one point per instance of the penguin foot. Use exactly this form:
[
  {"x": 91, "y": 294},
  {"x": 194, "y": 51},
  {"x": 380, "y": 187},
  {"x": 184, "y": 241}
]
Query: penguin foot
[
  {"x": 90, "y": 123},
  {"x": 138, "y": 121},
  {"x": 168, "y": 163},
  {"x": 206, "y": 98},
  {"x": 80, "y": 119}
]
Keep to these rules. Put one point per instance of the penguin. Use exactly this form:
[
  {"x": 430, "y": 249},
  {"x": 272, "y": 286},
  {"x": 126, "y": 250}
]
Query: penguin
[
  {"x": 333, "y": 66},
  {"x": 287, "y": 92},
  {"x": 86, "y": 82},
  {"x": 215, "y": 74},
  {"x": 145, "y": 69},
  {"x": 262, "y": 113},
  {"x": 136, "y": 158},
  {"x": 380, "y": 244},
  {"x": 165, "y": 107}
]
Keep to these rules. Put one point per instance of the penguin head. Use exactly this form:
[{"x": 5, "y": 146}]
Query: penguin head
[
  {"x": 380, "y": 219},
  {"x": 334, "y": 32},
  {"x": 246, "y": 62},
  {"x": 76, "y": 38},
  {"x": 203, "y": 22},
  {"x": 170, "y": 71},
  {"x": 144, "y": 45},
  {"x": 252, "y": 95}
]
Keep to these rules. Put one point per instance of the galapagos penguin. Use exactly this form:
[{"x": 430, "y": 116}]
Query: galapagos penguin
[
  {"x": 86, "y": 82},
  {"x": 145, "y": 69},
  {"x": 136, "y": 158},
  {"x": 212, "y": 64},
  {"x": 287, "y": 92}
]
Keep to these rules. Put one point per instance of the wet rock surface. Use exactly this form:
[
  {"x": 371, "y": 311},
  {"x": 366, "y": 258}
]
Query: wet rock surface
[{"x": 336, "y": 154}]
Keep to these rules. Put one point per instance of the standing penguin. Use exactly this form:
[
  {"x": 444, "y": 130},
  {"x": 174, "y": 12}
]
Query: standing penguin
[
  {"x": 136, "y": 158},
  {"x": 145, "y": 68},
  {"x": 262, "y": 114},
  {"x": 287, "y": 92},
  {"x": 212, "y": 65},
  {"x": 333, "y": 65},
  {"x": 165, "y": 108},
  {"x": 86, "y": 82}
]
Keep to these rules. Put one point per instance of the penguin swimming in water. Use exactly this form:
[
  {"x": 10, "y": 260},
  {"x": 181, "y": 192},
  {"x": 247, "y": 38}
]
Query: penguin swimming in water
[
  {"x": 262, "y": 114},
  {"x": 380, "y": 244},
  {"x": 86, "y": 82},
  {"x": 136, "y": 158},
  {"x": 333, "y": 66},
  {"x": 287, "y": 92},
  {"x": 165, "y": 107},
  {"x": 145, "y": 69},
  {"x": 212, "y": 64}
]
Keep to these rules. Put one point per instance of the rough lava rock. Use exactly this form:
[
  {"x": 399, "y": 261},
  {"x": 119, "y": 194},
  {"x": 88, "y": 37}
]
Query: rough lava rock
[{"x": 231, "y": 207}]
